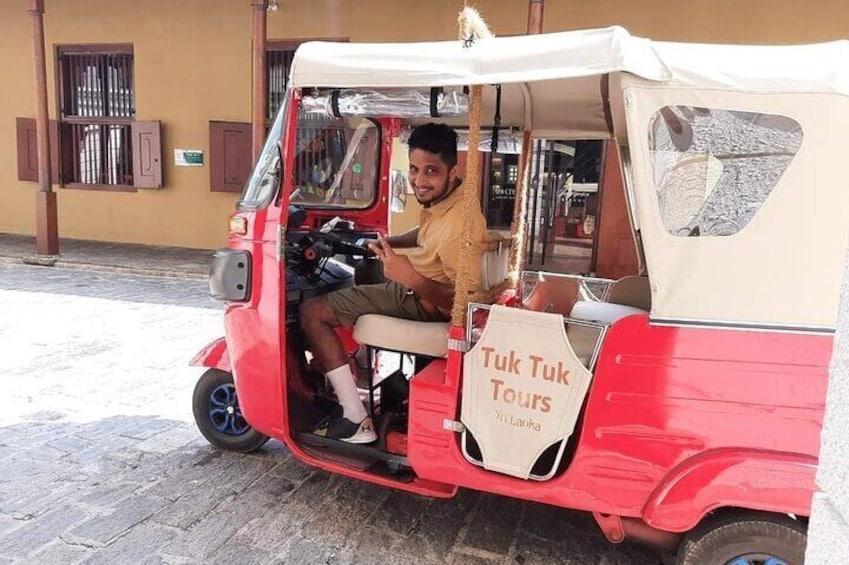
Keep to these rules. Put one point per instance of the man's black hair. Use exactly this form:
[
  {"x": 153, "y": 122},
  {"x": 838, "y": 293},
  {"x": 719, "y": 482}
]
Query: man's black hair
[{"x": 438, "y": 139}]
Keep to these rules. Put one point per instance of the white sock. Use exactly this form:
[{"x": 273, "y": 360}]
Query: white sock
[{"x": 345, "y": 388}]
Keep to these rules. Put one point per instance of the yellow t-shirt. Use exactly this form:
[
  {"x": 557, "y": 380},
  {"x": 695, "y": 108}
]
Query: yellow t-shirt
[{"x": 440, "y": 235}]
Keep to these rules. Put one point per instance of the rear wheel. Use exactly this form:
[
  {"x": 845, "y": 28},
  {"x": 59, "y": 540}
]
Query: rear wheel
[
  {"x": 745, "y": 539},
  {"x": 218, "y": 416}
]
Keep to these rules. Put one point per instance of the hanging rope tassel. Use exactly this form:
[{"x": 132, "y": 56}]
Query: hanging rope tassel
[
  {"x": 520, "y": 209},
  {"x": 471, "y": 203}
]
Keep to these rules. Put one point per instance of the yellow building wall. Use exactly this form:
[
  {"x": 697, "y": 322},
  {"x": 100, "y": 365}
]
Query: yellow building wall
[{"x": 193, "y": 65}]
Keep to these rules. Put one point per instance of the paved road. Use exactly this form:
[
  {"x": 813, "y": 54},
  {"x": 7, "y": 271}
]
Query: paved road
[{"x": 100, "y": 461}]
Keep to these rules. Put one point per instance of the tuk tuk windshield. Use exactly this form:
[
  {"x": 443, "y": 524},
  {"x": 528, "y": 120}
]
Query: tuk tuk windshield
[
  {"x": 336, "y": 162},
  {"x": 265, "y": 177}
]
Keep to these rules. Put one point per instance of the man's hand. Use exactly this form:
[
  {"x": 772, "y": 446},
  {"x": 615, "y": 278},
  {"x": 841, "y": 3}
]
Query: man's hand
[{"x": 395, "y": 267}]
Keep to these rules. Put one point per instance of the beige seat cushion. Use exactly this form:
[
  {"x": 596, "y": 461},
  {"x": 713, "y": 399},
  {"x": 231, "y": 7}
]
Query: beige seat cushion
[
  {"x": 428, "y": 338},
  {"x": 385, "y": 332},
  {"x": 583, "y": 338},
  {"x": 602, "y": 311}
]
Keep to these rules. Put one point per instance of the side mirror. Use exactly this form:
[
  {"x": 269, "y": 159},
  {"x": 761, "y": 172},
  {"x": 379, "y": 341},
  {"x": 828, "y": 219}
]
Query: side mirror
[{"x": 296, "y": 217}]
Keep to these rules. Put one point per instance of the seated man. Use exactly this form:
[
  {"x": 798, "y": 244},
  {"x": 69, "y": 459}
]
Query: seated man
[{"x": 420, "y": 284}]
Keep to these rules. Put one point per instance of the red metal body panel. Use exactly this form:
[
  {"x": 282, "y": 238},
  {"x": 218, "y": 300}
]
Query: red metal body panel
[
  {"x": 214, "y": 355},
  {"x": 678, "y": 421}
]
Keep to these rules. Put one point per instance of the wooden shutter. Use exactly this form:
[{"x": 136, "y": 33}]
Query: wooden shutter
[
  {"x": 147, "y": 155},
  {"x": 229, "y": 156},
  {"x": 27, "y": 142}
]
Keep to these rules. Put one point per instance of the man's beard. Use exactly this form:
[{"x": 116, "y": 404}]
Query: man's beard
[{"x": 446, "y": 190}]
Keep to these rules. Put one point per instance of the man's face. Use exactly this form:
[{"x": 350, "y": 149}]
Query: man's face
[{"x": 430, "y": 178}]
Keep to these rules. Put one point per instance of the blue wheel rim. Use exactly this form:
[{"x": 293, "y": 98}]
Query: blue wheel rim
[
  {"x": 224, "y": 411},
  {"x": 756, "y": 559}
]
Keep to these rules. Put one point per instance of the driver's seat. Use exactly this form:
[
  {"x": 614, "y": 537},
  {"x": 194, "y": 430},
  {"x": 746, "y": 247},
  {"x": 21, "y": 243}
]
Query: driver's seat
[{"x": 429, "y": 339}]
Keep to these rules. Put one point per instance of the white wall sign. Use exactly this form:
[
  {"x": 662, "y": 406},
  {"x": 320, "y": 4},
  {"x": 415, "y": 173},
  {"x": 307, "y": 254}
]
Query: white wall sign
[{"x": 188, "y": 157}]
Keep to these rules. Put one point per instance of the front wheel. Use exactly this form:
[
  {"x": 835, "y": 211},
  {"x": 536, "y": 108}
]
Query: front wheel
[
  {"x": 218, "y": 416},
  {"x": 746, "y": 539}
]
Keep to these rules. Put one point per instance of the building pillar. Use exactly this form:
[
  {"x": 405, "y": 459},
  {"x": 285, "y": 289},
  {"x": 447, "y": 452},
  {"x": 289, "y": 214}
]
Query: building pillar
[
  {"x": 47, "y": 230},
  {"x": 535, "y": 13},
  {"x": 260, "y": 87},
  {"x": 828, "y": 531}
]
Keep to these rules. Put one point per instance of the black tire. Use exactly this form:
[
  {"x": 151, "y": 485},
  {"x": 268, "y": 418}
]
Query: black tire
[
  {"x": 218, "y": 417},
  {"x": 750, "y": 537}
]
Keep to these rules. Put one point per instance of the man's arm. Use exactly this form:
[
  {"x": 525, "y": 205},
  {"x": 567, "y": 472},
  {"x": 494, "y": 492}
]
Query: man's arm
[
  {"x": 404, "y": 240},
  {"x": 399, "y": 269}
]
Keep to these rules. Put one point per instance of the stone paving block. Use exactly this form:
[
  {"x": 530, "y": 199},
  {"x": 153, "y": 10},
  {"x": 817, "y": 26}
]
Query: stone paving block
[
  {"x": 307, "y": 550},
  {"x": 469, "y": 559},
  {"x": 292, "y": 469},
  {"x": 179, "y": 474},
  {"x": 362, "y": 490},
  {"x": 100, "y": 530},
  {"x": 214, "y": 530},
  {"x": 38, "y": 496},
  {"x": 169, "y": 440},
  {"x": 193, "y": 506},
  {"x": 242, "y": 471},
  {"x": 232, "y": 554},
  {"x": 373, "y": 546},
  {"x": 7, "y": 524},
  {"x": 556, "y": 524},
  {"x": 139, "y": 546},
  {"x": 151, "y": 427},
  {"x": 60, "y": 552},
  {"x": 40, "y": 531},
  {"x": 494, "y": 525},
  {"x": 109, "y": 495},
  {"x": 69, "y": 444},
  {"x": 336, "y": 520},
  {"x": 438, "y": 533},
  {"x": 457, "y": 508},
  {"x": 287, "y": 515},
  {"x": 400, "y": 512}
]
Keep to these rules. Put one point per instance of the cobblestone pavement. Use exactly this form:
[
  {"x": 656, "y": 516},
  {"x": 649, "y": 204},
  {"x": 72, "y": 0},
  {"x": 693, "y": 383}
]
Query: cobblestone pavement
[{"x": 100, "y": 461}]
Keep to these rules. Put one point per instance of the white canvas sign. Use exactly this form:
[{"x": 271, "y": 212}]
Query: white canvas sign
[{"x": 523, "y": 388}]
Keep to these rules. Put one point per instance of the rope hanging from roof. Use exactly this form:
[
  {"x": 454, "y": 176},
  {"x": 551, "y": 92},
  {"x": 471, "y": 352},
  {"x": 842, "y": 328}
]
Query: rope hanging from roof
[
  {"x": 520, "y": 209},
  {"x": 471, "y": 27},
  {"x": 470, "y": 203}
]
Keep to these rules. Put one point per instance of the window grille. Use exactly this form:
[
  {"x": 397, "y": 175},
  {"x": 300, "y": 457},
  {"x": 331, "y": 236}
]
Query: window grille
[
  {"x": 278, "y": 63},
  {"x": 98, "y": 109}
]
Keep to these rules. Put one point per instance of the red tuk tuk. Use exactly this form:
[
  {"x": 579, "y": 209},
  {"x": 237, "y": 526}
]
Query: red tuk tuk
[{"x": 681, "y": 406}]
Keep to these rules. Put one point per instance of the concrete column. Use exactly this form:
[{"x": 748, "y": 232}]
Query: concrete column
[
  {"x": 47, "y": 230},
  {"x": 260, "y": 88},
  {"x": 828, "y": 534}
]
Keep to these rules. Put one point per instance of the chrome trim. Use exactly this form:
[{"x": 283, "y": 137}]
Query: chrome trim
[
  {"x": 740, "y": 326},
  {"x": 458, "y": 345},
  {"x": 557, "y": 459}
]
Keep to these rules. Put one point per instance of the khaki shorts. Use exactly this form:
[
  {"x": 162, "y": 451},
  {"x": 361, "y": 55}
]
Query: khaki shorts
[{"x": 387, "y": 299}]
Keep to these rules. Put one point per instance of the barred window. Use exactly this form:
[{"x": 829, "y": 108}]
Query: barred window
[
  {"x": 97, "y": 112},
  {"x": 278, "y": 63}
]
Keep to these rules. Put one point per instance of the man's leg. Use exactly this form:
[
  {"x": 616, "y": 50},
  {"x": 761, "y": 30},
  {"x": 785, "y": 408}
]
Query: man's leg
[{"x": 318, "y": 321}]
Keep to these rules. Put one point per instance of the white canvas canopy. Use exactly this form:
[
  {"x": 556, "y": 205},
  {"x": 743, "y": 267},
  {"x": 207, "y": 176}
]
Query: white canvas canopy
[
  {"x": 551, "y": 81},
  {"x": 533, "y": 72},
  {"x": 783, "y": 267}
]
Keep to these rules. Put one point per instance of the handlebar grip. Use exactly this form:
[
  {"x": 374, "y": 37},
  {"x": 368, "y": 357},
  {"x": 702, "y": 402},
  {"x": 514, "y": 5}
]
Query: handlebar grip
[{"x": 319, "y": 249}]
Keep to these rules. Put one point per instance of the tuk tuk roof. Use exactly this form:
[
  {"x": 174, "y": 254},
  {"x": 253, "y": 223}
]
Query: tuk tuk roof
[
  {"x": 822, "y": 67},
  {"x": 534, "y": 69}
]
